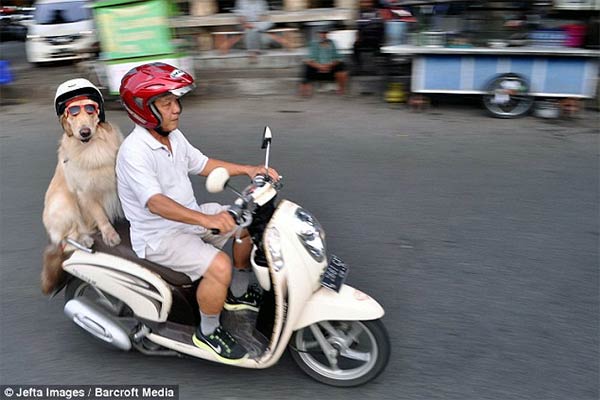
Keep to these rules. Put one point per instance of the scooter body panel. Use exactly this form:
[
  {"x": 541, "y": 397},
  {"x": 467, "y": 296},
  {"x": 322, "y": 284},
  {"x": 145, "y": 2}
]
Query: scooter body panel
[
  {"x": 295, "y": 283},
  {"x": 349, "y": 304},
  {"x": 146, "y": 293}
]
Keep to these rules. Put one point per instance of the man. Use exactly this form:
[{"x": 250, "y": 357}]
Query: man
[
  {"x": 323, "y": 63},
  {"x": 167, "y": 225},
  {"x": 253, "y": 18}
]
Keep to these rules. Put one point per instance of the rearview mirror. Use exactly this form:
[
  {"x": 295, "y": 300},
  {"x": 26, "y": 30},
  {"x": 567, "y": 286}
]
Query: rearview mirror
[
  {"x": 217, "y": 180},
  {"x": 267, "y": 136}
]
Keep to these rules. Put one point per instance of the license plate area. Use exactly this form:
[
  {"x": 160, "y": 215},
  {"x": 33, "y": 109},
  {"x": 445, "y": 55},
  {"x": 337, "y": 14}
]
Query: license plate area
[{"x": 335, "y": 274}]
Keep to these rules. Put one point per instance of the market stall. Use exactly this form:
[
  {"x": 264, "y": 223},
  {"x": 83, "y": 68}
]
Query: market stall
[
  {"x": 507, "y": 77},
  {"x": 511, "y": 53}
]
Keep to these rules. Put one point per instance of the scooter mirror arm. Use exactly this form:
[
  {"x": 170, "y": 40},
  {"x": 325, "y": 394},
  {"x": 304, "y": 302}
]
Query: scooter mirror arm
[{"x": 234, "y": 190}]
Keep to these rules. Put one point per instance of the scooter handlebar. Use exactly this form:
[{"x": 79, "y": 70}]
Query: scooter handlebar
[{"x": 235, "y": 212}]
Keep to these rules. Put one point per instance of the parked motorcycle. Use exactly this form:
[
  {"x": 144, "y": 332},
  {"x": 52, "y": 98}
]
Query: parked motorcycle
[{"x": 333, "y": 330}]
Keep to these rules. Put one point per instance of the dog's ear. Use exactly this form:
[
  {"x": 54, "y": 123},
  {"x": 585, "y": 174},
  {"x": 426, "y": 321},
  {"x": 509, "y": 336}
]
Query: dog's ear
[{"x": 66, "y": 126}]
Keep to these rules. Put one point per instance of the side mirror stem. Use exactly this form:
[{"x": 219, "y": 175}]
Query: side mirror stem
[
  {"x": 234, "y": 190},
  {"x": 267, "y": 157}
]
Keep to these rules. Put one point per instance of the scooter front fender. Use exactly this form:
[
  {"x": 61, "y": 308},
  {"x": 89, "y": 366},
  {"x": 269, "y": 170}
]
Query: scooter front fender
[{"x": 349, "y": 304}]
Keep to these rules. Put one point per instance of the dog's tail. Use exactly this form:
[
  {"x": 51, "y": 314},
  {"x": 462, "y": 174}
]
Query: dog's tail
[{"x": 52, "y": 272}]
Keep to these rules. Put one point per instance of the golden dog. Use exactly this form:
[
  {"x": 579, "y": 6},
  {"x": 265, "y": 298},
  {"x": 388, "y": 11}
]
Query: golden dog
[{"x": 82, "y": 195}]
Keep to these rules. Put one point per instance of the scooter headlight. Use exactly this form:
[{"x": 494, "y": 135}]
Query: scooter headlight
[
  {"x": 311, "y": 234},
  {"x": 273, "y": 245}
]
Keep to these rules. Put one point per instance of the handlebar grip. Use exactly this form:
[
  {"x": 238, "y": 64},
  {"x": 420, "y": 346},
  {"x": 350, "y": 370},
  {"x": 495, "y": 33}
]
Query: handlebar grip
[{"x": 215, "y": 231}]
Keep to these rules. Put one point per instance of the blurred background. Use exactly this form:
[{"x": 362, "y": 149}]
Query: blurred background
[{"x": 394, "y": 49}]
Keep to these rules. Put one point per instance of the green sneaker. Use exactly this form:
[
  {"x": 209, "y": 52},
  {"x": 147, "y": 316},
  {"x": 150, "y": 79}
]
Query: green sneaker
[
  {"x": 222, "y": 344},
  {"x": 251, "y": 300}
]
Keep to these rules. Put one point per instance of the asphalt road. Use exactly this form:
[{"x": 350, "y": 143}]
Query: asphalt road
[{"x": 478, "y": 236}]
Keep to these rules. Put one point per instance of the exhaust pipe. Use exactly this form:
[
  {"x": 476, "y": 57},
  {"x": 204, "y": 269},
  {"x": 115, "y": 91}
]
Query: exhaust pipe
[{"x": 95, "y": 321}]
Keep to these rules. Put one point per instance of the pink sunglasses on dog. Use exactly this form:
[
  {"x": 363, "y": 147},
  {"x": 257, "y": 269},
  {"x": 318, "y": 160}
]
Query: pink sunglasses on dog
[{"x": 89, "y": 108}]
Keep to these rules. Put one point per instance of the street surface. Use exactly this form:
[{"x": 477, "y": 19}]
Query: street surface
[{"x": 478, "y": 236}]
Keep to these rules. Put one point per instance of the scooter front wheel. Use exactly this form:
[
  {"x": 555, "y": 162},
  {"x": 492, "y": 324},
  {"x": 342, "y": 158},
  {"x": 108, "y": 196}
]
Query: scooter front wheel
[{"x": 342, "y": 353}]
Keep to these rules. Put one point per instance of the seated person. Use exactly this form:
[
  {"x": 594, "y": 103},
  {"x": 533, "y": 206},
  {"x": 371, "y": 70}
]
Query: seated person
[
  {"x": 323, "y": 63},
  {"x": 253, "y": 19}
]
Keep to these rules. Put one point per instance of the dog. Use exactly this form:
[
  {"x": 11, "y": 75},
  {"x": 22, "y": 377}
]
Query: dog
[{"x": 82, "y": 195}]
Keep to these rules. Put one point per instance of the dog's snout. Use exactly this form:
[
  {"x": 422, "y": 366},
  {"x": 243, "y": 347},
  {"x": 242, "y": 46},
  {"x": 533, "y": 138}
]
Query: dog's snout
[{"x": 85, "y": 132}]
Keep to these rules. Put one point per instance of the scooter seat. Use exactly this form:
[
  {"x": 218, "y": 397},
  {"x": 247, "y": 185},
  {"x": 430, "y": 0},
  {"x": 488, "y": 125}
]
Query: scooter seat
[{"x": 125, "y": 251}]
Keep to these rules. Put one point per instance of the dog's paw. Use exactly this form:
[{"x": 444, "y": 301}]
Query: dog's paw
[
  {"x": 86, "y": 240},
  {"x": 111, "y": 237}
]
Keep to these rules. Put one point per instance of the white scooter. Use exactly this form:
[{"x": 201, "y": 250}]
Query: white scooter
[{"x": 334, "y": 331}]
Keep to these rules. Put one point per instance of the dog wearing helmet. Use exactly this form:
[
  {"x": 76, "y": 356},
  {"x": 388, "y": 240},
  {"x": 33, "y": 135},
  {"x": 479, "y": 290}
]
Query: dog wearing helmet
[
  {"x": 82, "y": 195},
  {"x": 168, "y": 226}
]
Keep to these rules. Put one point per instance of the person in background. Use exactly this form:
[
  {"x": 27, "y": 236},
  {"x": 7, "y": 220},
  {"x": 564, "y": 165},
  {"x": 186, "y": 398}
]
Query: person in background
[
  {"x": 370, "y": 32},
  {"x": 323, "y": 63},
  {"x": 253, "y": 19}
]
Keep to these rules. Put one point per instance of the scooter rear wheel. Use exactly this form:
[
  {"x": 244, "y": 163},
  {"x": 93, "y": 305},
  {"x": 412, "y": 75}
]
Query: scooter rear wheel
[{"x": 342, "y": 353}]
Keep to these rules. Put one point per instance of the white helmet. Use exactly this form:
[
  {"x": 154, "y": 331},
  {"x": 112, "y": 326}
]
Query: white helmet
[{"x": 77, "y": 87}]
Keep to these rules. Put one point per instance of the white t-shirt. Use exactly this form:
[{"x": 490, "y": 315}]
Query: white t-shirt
[{"x": 145, "y": 168}]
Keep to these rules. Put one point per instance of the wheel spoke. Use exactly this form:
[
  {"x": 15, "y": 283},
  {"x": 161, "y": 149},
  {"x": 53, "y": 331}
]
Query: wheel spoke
[
  {"x": 348, "y": 338},
  {"x": 355, "y": 355},
  {"x": 309, "y": 345},
  {"x": 330, "y": 329},
  {"x": 352, "y": 336},
  {"x": 327, "y": 348}
]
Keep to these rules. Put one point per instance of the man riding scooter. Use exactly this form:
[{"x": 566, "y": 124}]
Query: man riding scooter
[{"x": 167, "y": 224}]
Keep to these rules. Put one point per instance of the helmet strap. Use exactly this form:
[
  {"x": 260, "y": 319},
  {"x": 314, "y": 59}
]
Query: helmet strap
[
  {"x": 156, "y": 113},
  {"x": 161, "y": 131}
]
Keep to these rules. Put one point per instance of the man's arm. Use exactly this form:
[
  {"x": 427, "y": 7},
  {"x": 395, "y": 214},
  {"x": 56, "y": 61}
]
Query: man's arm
[
  {"x": 237, "y": 169},
  {"x": 136, "y": 171},
  {"x": 168, "y": 208}
]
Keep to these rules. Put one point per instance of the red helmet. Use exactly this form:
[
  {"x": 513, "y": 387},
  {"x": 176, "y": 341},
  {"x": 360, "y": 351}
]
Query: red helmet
[{"x": 141, "y": 86}]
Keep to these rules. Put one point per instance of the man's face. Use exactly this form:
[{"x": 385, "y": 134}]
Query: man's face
[{"x": 169, "y": 110}]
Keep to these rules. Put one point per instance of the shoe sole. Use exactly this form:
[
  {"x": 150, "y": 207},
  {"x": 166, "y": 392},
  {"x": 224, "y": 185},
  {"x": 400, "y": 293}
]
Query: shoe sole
[
  {"x": 200, "y": 344},
  {"x": 240, "y": 307}
]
